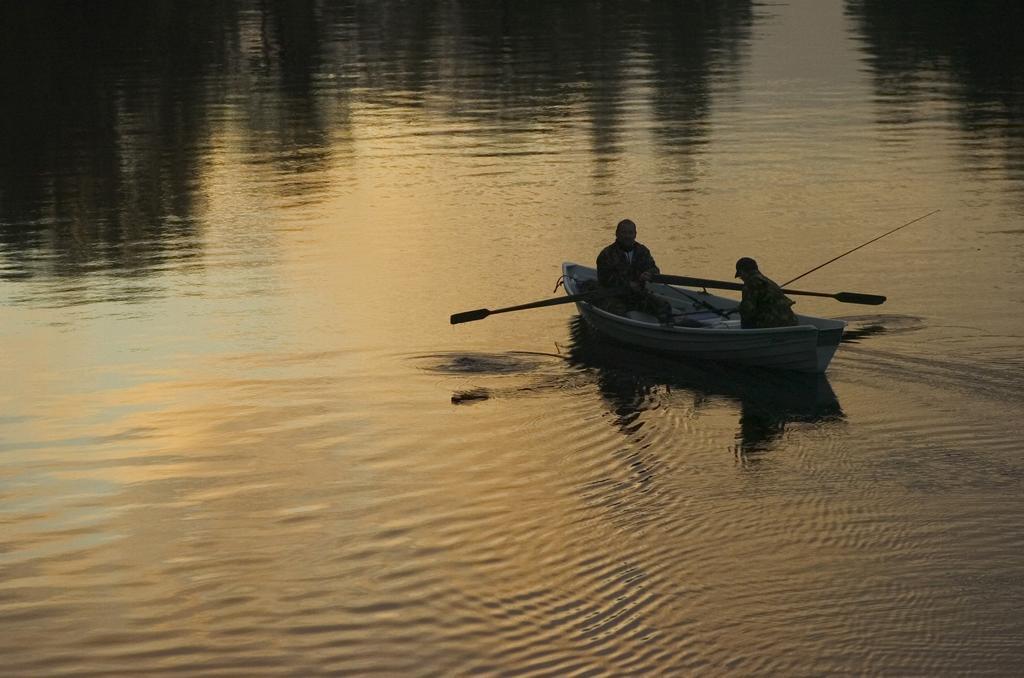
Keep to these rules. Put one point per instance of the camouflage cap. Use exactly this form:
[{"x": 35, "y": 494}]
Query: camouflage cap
[{"x": 745, "y": 264}]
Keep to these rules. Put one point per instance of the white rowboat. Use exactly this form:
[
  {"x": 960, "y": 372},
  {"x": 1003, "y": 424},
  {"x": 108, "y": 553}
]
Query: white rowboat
[{"x": 807, "y": 347}]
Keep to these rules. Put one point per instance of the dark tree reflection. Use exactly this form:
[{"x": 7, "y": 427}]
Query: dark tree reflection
[
  {"x": 104, "y": 116},
  {"x": 114, "y": 111},
  {"x": 976, "y": 46}
]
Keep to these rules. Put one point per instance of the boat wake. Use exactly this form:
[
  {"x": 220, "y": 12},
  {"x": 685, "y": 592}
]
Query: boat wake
[
  {"x": 546, "y": 373},
  {"x": 974, "y": 378},
  {"x": 860, "y": 327},
  {"x": 645, "y": 391},
  {"x": 513, "y": 362}
]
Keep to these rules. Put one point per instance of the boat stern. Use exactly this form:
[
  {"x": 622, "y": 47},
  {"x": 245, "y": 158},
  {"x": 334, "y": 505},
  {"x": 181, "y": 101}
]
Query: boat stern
[{"x": 830, "y": 333}]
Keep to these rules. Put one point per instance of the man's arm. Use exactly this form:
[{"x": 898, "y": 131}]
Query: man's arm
[
  {"x": 607, "y": 276},
  {"x": 753, "y": 297},
  {"x": 648, "y": 267}
]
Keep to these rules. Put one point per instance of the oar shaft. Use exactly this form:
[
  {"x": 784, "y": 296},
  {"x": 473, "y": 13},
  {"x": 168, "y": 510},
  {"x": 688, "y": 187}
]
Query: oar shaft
[
  {"x": 481, "y": 313},
  {"x": 568, "y": 299},
  {"x": 696, "y": 282},
  {"x": 844, "y": 297}
]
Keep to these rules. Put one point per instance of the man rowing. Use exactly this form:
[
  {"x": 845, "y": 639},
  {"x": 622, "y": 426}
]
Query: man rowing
[{"x": 628, "y": 265}]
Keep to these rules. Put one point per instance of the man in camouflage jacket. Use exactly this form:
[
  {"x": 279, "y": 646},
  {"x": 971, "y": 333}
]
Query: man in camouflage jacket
[
  {"x": 629, "y": 265},
  {"x": 763, "y": 304}
]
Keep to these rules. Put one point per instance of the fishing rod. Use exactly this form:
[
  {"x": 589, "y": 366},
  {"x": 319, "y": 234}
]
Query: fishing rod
[
  {"x": 700, "y": 302},
  {"x": 858, "y": 247}
]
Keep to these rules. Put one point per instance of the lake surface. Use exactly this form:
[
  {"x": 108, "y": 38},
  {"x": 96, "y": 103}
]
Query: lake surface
[{"x": 239, "y": 436}]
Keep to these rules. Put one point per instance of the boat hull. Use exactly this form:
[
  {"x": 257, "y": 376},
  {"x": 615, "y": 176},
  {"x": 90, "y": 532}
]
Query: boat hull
[{"x": 807, "y": 347}]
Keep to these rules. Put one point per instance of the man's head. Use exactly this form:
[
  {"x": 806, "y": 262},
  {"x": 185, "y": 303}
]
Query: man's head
[
  {"x": 625, "y": 234},
  {"x": 745, "y": 266}
]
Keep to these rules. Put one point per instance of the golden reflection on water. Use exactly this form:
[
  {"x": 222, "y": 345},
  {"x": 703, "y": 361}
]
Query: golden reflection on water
[{"x": 232, "y": 437}]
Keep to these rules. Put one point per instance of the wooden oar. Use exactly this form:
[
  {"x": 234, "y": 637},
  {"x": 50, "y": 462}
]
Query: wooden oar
[
  {"x": 844, "y": 297},
  {"x": 481, "y": 313}
]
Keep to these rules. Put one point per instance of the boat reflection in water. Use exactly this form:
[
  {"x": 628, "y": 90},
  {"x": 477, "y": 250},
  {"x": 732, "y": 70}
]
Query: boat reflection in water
[{"x": 769, "y": 401}]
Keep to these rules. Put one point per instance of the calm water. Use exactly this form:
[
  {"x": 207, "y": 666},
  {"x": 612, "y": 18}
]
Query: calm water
[{"x": 238, "y": 435}]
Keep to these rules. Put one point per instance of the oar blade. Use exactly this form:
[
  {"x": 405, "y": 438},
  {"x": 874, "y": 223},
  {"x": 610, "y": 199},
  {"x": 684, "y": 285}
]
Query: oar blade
[
  {"x": 470, "y": 316},
  {"x": 855, "y": 298}
]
